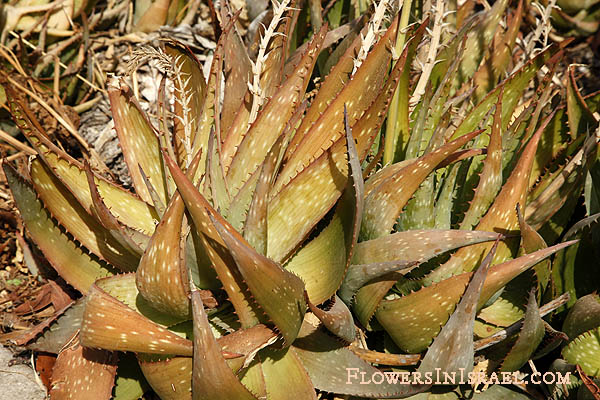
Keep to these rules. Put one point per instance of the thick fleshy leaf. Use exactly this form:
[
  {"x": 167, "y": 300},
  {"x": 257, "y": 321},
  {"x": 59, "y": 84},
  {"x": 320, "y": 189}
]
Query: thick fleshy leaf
[
  {"x": 558, "y": 187},
  {"x": 246, "y": 343},
  {"x": 126, "y": 206},
  {"x": 337, "y": 318},
  {"x": 452, "y": 350},
  {"x": 133, "y": 240},
  {"x": 532, "y": 241},
  {"x": 65, "y": 208},
  {"x": 418, "y": 245},
  {"x": 583, "y": 316},
  {"x": 212, "y": 378},
  {"x": 270, "y": 122},
  {"x": 194, "y": 88},
  {"x": 285, "y": 376},
  {"x": 498, "y": 58},
  {"x": 212, "y": 243},
  {"x": 335, "y": 81},
  {"x": 237, "y": 72},
  {"x": 501, "y": 217},
  {"x": 73, "y": 264},
  {"x": 321, "y": 268},
  {"x": 290, "y": 220},
  {"x": 511, "y": 90},
  {"x": 585, "y": 351},
  {"x": 123, "y": 288},
  {"x": 336, "y": 369},
  {"x": 413, "y": 320},
  {"x": 360, "y": 274},
  {"x": 385, "y": 203},
  {"x": 356, "y": 96},
  {"x": 160, "y": 277},
  {"x": 255, "y": 227},
  {"x": 110, "y": 324},
  {"x": 490, "y": 180},
  {"x": 138, "y": 141},
  {"x": 85, "y": 373},
  {"x": 581, "y": 119},
  {"x": 59, "y": 332},
  {"x": 529, "y": 338},
  {"x": 215, "y": 185},
  {"x": 170, "y": 378},
  {"x": 130, "y": 383},
  {"x": 278, "y": 292}
]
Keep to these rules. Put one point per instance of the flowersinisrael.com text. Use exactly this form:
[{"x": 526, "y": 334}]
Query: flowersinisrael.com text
[{"x": 462, "y": 377}]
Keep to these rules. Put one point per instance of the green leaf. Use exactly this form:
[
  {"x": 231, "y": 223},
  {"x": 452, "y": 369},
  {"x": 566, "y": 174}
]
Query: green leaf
[
  {"x": 530, "y": 336},
  {"x": 73, "y": 264},
  {"x": 336, "y": 369},
  {"x": 453, "y": 350},
  {"x": 213, "y": 245},
  {"x": 65, "y": 208},
  {"x": 337, "y": 318},
  {"x": 271, "y": 120},
  {"x": 583, "y": 316},
  {"x": 170, "y": 378},
  {"x": 138, "y": 141},
  {"x": 384, "y": 204},
  {"x": 285, "y": 376},
  {"x": 413, "y": 320},
  {"x": 585, "y": 351},
  {"x": 278, "y": 292},
  {"x": 418, "y": 245},
  {"x": 501, "y": 216},
  {"x": 110, "y": 324},
  {"x": 212, "y": 378},
  {"x": 193, "y": 86}
]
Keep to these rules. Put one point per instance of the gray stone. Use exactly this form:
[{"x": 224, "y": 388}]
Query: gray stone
[{"x": 18, "y": 381}]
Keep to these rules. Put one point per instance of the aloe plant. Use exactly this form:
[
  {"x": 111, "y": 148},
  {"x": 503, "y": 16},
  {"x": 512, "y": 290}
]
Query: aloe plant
[{"x": 261, "y": 234}]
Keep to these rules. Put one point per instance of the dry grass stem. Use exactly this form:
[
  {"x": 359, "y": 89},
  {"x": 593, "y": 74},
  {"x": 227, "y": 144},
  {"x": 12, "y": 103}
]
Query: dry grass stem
[{"x": 258, "y": 65}]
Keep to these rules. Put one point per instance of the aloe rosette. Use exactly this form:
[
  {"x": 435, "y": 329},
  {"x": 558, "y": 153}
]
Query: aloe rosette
[{"x": 261, "y": 234}]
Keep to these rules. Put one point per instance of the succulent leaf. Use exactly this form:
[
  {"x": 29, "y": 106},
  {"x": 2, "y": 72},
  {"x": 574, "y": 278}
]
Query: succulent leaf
[
  {"x": 384, "y": 204},
  {"x": 284, "y": 213},
  {"x": 453, "y": 350},
  {"x": 360, "y": 274},
  {"x": 585, "y": 351},
  {"x": 263, "y": 133},
  {"x": 279, "y": 292},
  {"x": 212, "y": 243},
  {"x": 138, "y": 141},
  {"x": 357, "y": 95},
  {"x": 81, "y": 372},
  {"x": 501, "y": 216},
  {"x": 529, "y": 338},
  {"x": 418, "y": 245},
  {"x": 110, "y": 324},
  {"x": 490, "y": 180},
  {"x": 193, "y": 86},
  {"x": 65, "y": 208},
  {"x": 583, "y": 316},
  {"x": 212, "y": 378},
  {"x": 77, "y": 267},
  {"x": 330, "y": 366},
  {"x": 283, "y": 369},
  {"x": 337, "y": 319},
  {"x": 170, "y": 378},
  {"x": 438, "y": 300},
  {"x": 58, "y": 333}
]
